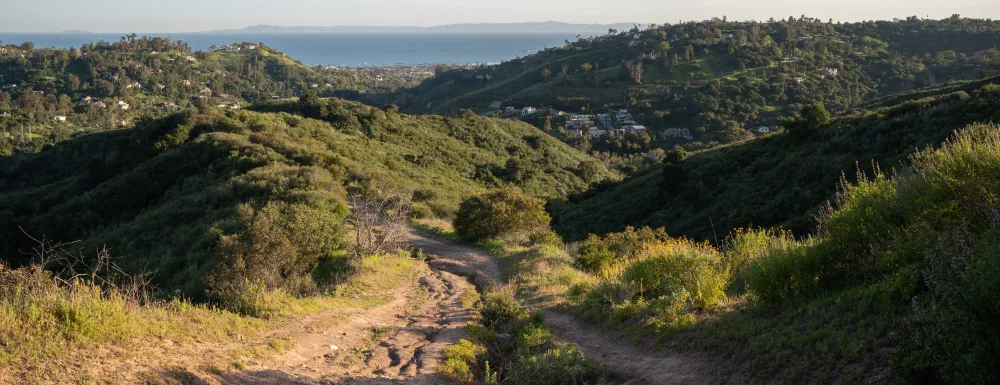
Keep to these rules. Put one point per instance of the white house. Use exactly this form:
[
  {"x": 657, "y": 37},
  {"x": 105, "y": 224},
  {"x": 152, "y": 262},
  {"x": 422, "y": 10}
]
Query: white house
[
  {"x": 604, "y": 119},
  {"x": 763, "y": 130},
  {"x": 528, "y": 111},
  {"x": 829, "y": 72},
  {"x": 59, "y": 118},
  {"x": 634, "y": 128},
  {"x": 510, "y": 110},
  {"x": 596, "y": 133},
  {"x": 123, "y": 105}
]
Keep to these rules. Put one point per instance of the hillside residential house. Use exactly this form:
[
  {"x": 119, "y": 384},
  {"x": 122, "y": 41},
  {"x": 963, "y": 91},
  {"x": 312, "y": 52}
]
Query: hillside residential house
[
  {"x": 634, "y": 128},
  {"x": 121, "y": 104},
  {"x": 510, "y": 111},
  {"x": 528, "y": 111},
  {"x": 604, "y": 119},
  {"x": 496, "y": 105},
  {"x": 829, "y": 72},
  {"x": 677, "y": 132},
  {"x": 187, "y": 83},
  {"x": 582, "y": 123},
  {"x": 59, "y": 118},
  {"x": 596, "y": 133},
  {"x": 763, "y": 130}
]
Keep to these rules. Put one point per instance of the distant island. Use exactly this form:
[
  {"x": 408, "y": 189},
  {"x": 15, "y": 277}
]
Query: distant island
[
  {"x": 532, "y": 27},
  {"x": 77, "y": 32}
]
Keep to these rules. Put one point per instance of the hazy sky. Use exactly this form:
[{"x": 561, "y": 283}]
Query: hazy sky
[{"x": 199, "y": 15}]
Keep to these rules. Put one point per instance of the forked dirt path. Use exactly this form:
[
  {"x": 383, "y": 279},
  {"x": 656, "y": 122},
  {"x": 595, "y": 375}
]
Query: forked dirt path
[
  {"x": 615, "y": 353},
  {"x": 399, "y": 342}
]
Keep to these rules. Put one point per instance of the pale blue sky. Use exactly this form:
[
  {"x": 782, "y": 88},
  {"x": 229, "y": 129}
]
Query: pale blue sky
[{"x": 199, "y": 15}]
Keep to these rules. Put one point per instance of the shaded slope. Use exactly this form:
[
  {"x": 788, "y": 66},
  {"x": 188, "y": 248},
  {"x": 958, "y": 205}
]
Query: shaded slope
[{"x": 779, "y": 179}]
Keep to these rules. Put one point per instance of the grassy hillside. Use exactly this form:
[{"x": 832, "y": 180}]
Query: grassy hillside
[
  {"x": 207, "y": 197},
  {"x": 715, "y": 76},
  {"x": 899, "y": 285},
  {"x": 781, "y": 179},
  {"x": 110, "y": 85}
]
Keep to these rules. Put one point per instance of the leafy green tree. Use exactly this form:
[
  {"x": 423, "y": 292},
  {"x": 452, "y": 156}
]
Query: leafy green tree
[{"x": 813, "y": 117}]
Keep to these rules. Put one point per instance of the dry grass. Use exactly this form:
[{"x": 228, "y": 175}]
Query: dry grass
[{"x": 47, "y": 323}]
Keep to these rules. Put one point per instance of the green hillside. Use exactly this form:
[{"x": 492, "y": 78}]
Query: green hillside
[
  {"x": 780, "y": 179},
  {"x": 720, "y": 78},
  {"x": 110, "y": 85},
  {"x": 205, "y": 196}
]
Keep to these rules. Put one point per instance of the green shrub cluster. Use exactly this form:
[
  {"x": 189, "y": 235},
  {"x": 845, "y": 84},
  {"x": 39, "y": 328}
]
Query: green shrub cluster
[
  {"x": 659, "y": 281},
  {"x": 939, "y": 219},
  {"x": 505, "y": 213},
  {"x": 515, "y": 347},
  {"x": 597, "y": 252}
]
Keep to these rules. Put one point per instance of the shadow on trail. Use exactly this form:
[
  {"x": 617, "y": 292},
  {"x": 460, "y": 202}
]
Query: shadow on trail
[{"x": 277, "y": 377}]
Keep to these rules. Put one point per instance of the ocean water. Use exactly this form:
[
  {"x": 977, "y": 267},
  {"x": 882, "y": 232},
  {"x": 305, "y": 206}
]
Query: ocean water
[{"x": 345, "y": 49}]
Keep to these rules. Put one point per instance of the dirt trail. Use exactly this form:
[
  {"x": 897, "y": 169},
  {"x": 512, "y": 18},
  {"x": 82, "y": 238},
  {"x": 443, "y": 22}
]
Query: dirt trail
[
  {"x": 615, "y": 353},
  {"x": 399, "y": 342},
  {"x": 395, "y": 343}
]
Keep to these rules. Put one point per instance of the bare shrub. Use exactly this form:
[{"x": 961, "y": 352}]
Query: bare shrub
[{"x": 380, "y": 223}]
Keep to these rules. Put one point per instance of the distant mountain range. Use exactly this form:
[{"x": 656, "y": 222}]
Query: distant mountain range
[{"x": 533, "y": 27}]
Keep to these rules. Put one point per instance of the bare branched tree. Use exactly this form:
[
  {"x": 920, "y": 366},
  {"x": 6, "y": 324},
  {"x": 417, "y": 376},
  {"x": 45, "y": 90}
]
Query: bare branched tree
[
  {"x": 379, "y": 223},
  {"x": 72, "y": 268}
]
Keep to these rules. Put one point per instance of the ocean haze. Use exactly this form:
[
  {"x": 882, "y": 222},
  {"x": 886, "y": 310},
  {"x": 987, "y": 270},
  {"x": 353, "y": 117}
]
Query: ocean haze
[
  {"x": 504, "y": 28},
  {"x": 344, "y": 49}
]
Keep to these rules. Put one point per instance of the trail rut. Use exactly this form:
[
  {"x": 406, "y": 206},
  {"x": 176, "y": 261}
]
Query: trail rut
[
  {"x": 390, "y": 344},
  {"x": 615, "y": 353}
]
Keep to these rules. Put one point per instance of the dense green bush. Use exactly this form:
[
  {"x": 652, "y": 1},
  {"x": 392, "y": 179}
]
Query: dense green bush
[
  {"x": 562, "y": 365},
  {"x": 517, "y": 347},
  {"x": 745, "y": 247},
  {"x": 280, "y": 248},
  {"x": 596, "y": 252},
  {"x": 504, "y": 213},
  {"x": 663, "y": 284},
  {"x": 783, "y": 273}
]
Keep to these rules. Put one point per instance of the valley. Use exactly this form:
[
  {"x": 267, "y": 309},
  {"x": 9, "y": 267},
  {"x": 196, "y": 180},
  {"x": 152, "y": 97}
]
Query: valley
[{"x": 710, "y": 202}]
